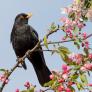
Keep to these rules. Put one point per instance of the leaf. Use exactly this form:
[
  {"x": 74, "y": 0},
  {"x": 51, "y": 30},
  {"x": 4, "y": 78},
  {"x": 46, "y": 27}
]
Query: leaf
[
  {"x": 73, "y": 77},
  {"x": 86, "y": 51},
  {"x": 63, "y": 52},
  {"x": 77, "y": 1},
  {"x": 50, "y": 83},
  {"x": 79, "y": 86},
  {"x": 53, "y": 26},
  {"x": 73, "y": 90},
  {"x": 83, "y": 78},
  {"x": 3, "y": 70},
  {"x": 77, "y": 44},
  {"x": 29, "y": 90},
  {"x": 45, "y": 42}
]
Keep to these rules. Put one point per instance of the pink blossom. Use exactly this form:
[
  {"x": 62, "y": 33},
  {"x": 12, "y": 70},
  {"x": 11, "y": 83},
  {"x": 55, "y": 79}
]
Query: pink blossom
[
  {"x": 83, "y": 69},
  {"x": 89, "y": 14},
  {"x": 84, "y": 35},
  {"x": 60, "y": 88},
  {"x": 88, "y": 66},
  {"x": 67, "y": 21},
  {"x": 90, "y": 84},
  {"x": 27, "y": 84},
  {"x": 17, "y": 90},
  {"x": 51, "y": 76},
  {"x": 66, "y": 10},
  {"x": 78, "y": 58},
  {"x": 68, "y": 90},
  {"x": 80, "y": 25},
  {"x": 90, "y": 56},
  {"x": 65, "y": 68},
  {"x": 86, "y": 44},
  {"x": 61, "y": 80},
  {"x": 65, "y": 76},
  {"x": 72, "y": 56},
  {"x": 4, "y": 79}
]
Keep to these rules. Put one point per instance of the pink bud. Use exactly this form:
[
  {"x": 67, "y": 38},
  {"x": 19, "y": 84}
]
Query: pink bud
[
  {"x": 60, "y": 88},
  {"x": 51, "y": 76},
  {"x": 68, "y": 90},
  {"x": 83, "y": 69},
  {"x": 90, "y": 85},
  {"x": 65, "y": 76},
  {"x": 27, "y": 84},
  {"x": 84, "y": 35},
  {"x": 90, "y": 56},
  {"x": 6, "y": 81},
  {"x": 17, "y": 90},
  {"x": 61, "y": 80}
]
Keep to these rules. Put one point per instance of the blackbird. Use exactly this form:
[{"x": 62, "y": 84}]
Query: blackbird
[{"x": 24, "y": 38}]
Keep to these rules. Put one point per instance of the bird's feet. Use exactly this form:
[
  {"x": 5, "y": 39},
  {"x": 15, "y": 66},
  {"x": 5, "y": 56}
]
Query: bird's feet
[{"x": 20, "y": 61}]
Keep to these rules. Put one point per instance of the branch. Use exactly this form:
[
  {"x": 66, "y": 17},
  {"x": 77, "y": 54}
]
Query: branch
[
  {"x": 57, "y": 42},
  {"x": 23, "y": 58}
]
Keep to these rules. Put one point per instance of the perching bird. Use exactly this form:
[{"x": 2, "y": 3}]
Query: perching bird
[{"x": 24, "y": 38}]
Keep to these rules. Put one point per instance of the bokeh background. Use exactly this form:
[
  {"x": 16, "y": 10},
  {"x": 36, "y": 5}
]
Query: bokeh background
[{"x": 44, "y": 13}]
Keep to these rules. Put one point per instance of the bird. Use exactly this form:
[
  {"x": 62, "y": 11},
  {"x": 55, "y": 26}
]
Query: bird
[{"x": 23, "y": 38}]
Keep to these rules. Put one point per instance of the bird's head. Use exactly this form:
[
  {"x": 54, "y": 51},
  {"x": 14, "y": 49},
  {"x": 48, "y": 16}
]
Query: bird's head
[{"x": 22, "y": 18}]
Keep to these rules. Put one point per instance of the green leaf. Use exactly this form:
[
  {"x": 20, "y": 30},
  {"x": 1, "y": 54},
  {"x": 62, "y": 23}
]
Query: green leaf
[
  {"x": 3, "y": 70},
  {"x": 29, "y": 90},
  {"x": 83, "y": 78},
  {"x": 77, "y": 1},
  {"x": 50, "y": 83},
  {"x": 79, "y": 86},
  {"x": 63, "y": 52},
  {"x": 45, "y": 41},
  {"x": 53, "y": 26},
  {"x": 74, "y": 76},
  {"x": 73, "y": 90},
  {"x": 77, "y": 44}
]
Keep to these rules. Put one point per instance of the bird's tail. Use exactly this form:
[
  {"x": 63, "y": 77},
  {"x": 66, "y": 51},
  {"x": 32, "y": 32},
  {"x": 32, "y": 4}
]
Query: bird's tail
[{"x": 42, "y": 71}]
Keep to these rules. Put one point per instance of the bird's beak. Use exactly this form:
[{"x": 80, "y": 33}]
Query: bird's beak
[{"x": 29, "y": 15}]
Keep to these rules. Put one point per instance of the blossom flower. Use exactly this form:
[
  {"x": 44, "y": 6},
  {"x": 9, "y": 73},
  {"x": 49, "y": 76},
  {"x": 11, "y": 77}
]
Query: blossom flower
[
  {"x": 4, "y": 79},
  {"x": 80, "y": 25},
  {"x": 75, "y": 57},
  {"x": 89, "y": 14},
  {"x": 83, "y": 69},
  {"x": 65, "y": 68},
  {"x": 68, "y": 90},
  {"x": 84, "y": 35},
  {"x": 65, "y": 75},
  {"x": 90, "y": 56},
  {"x": 17, "y": 90},
  {"x": 27, "y": 84},
  {"x": 86, "y": 44},
  {"x": 51, "y": 76},
  {"x": 88, "y": 66},
  {"x": 60, "y": 88},
  {"x": 66, "y": 10},
  {"x": 90, "y": 84}
]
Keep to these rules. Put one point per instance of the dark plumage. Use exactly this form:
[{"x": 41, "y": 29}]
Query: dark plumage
[{"x": 23, "y": 38}]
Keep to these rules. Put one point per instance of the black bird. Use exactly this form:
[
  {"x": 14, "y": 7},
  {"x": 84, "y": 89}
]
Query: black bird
[{"x": 24, "y": 38}]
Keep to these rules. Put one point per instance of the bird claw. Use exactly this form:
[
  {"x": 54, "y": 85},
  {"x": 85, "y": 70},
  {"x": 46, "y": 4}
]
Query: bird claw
[{"x": 20, "y": 60}]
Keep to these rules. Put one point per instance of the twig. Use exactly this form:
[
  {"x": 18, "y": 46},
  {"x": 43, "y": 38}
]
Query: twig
[
  {"x": 46, "y": 90},
  {"x": 57, "y": 42},
  {"x": 23, "y": 58}
]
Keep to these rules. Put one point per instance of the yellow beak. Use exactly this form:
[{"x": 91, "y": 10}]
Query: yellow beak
[{"x": 29, "y": 15}]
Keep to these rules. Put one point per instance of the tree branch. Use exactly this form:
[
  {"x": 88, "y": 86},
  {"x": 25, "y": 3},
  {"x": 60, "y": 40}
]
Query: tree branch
[{"x": 23, "y": 58}]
